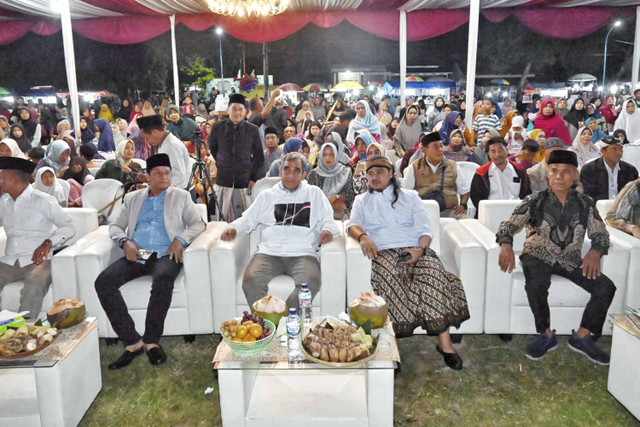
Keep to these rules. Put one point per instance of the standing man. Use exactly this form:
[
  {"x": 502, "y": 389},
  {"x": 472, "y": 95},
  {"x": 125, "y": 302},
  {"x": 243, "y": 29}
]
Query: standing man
[
  {"x": 604, "y": 177},
  {"x": 164, "y": 142},
  {"x": 235, "y": 145},
  {"x": 277, "y": 118},
  {"x": 161, "y": 219},
  {"x": 297, "y": 219},
  {"x": 557, "y": 220},
  {"x": 34, "y": 224},
  {"x": 274, "y": 150},
  {"x": 260, "y": 112},
  {"x": 499, "y": 179},
  {"x": 437, "y": 178}
]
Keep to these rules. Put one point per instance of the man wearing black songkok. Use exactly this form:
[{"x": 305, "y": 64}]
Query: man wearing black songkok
[{"x": 557, "y": 220}]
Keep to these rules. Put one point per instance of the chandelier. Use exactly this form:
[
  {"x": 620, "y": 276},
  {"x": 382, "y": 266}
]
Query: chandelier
[{"x": 243, "y": 8}]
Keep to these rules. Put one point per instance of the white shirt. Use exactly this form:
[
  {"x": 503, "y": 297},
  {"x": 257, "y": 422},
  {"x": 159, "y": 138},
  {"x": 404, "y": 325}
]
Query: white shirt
[
  {"x": 503, "y": 186},
  {"x": 179, "y": 158},
  {"x": 389, "y": 227},
  {"x": 613, "y": 179},
  {"x": 291, "y": 221},
  {"x": 28, "y": 221},
  {"x": 409, "y": 179}
]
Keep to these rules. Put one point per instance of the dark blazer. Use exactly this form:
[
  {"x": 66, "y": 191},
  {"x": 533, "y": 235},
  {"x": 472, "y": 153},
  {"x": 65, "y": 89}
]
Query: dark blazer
[{"x": 595, "y": 179}]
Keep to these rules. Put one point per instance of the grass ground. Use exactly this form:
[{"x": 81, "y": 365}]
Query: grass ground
[{"x": 498, "y": 386}]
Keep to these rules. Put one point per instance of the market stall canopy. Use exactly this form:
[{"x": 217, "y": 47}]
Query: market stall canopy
[
  {"x": 347, "y": 85},
  {"x": 502, "y": 82},
  {"x": 415, "y": 79},
  {"x": 315, "y": 87},
  {"x": 134, "y": 21},
  {"x": 290, "y": 87},
  {"x": 582, "y": 78},
  {"x": 424, "y": 85},
  {"x": 4, "y": 91}
]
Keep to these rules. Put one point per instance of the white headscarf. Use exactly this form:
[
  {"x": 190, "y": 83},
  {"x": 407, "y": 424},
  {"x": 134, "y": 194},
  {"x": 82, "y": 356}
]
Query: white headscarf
[
  {"x": 629, "y": 122},
  {"x": 335, "y": 176},
  {"x": 55, "y": 190},
  {"x": 13, "y": 146},
  {"x": 53, "y": 153},
  {"x": 368, "y": 122},
  {"x": 585, "y": 152}
]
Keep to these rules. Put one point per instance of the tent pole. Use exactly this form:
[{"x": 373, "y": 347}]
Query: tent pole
[
  {"x": 70, "y": 63},
  {"x": 265, "y": 71},
  {"x": 472, "y": 52},
  {"x": 636, "y": 53},
  {"x": 174, "y": 54},
  {"x": 403, "y": 56}
]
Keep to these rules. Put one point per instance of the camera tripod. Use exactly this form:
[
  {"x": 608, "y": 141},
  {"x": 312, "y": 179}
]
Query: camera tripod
[{"x": 200, "y": 175}]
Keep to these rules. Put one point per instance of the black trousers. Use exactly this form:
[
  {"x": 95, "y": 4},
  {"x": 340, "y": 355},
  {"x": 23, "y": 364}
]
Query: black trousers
[
  {"x": 537, "y": 275},
  {"x": 163, "y": 272}
]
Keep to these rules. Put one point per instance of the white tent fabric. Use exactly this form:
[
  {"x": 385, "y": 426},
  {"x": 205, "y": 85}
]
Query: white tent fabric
[
  {"x": 636, "y": 52},
  {"x": 472, "y": 53},
  {"x": 412, "y": 5},
  {"x": 43, "y": 8},
  {"x": 70, "y": 61}
]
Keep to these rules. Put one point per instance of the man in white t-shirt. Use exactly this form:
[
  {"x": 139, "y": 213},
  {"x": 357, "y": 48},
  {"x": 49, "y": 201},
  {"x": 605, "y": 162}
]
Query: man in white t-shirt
[
  {"x": 296, "y": 219},
  {"x": 499, "y": 179}
]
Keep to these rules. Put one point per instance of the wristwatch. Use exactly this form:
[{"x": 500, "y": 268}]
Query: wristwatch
[
  {"x": 464, "y": 205},
  {"x": 122, "y": 242}
]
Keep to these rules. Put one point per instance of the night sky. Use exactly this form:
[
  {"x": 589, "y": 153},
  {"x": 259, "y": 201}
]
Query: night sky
[{"x": 309, "y": 55}]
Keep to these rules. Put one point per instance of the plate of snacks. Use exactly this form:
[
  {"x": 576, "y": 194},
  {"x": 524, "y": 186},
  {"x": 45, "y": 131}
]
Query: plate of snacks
[
  {"x": 248, "y": 335},
  {"x": 334, "y": 342},
  {"x": 28, "y": 339}
]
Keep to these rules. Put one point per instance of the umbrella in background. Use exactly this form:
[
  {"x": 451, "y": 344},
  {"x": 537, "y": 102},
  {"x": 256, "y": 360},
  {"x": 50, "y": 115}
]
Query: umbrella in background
[
  {"x": 290, "y": 87},
  {"x": 414, "y": 79},
  {"x": 315, "y": 87},
  {"x": 500, "y": 82},
  {"x": 347, "y": 85}
]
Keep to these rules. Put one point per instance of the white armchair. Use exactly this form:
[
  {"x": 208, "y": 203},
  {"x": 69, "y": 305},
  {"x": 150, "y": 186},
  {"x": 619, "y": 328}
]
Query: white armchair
[
  {"x": 190, "y": 311},
  {"x": 458, "y": 250},
  {"x": 507, "y": 307},
  {"x": 632, "y": 296},
  {"x": 63, "y": 277},
  {"x": 228, "y": 261},
  {"x": 99, "y": 193}
]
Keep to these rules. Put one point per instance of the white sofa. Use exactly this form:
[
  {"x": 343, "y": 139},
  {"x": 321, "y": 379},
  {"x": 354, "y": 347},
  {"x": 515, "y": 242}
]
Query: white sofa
[
  {"x": 228, "y": 261},
  {"x": 190, "y": 311},
  {"x": 632, "y": 296},
  {"x": 459, "y": 252},
  {"x": 63, "y": 277},
  {"x": 507, "y": 307}
]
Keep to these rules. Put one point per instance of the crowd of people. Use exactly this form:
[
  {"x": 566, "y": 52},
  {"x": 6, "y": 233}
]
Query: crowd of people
[{"x": 369, "y": 162}]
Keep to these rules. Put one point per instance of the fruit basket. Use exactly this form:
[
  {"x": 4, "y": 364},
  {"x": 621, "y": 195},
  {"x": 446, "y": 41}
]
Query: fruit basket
[{"x": 251, "y": 348}]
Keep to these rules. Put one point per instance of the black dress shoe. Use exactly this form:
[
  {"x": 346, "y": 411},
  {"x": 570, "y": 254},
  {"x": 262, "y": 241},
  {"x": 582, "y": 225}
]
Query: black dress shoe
[
  {"x": 126, "y": 358},
  {"x": 453, "y": 360},
  {"x": 156, "y": 356}
]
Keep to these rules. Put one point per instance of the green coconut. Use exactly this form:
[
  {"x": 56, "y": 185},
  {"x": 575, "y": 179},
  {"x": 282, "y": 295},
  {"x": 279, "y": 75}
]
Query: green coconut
[
  {"x": 271, "y": 308},
  {"x": 368, "y": 306},
  {"x": 66, "y": 312}
]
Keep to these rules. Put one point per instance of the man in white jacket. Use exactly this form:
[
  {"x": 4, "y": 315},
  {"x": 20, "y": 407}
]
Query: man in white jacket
[{"x": 297, "y": 219}]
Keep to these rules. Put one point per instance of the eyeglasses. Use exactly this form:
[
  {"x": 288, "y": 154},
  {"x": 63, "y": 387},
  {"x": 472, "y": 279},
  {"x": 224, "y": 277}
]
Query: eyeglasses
[{"x": 160, "y": 173}]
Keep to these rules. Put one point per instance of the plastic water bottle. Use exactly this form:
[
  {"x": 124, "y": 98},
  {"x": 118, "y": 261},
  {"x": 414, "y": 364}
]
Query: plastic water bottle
[
  {"x": 294, "y": 345},
  {"x": 304, "y": 299}
]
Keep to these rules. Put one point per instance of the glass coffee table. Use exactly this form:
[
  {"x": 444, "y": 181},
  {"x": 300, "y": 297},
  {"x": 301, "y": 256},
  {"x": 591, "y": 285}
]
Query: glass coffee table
[
  {"x": 268, "y": 390},
  {"x": 55, "y": 386}
]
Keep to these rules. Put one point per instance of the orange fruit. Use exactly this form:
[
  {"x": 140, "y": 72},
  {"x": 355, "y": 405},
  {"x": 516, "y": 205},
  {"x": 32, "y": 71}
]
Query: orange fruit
[
  {"x": 248, "y": 323},
  {"x": 236, "y": 339},
  {"x": 241, "y": 332},
  {"x": 249, "y": 338},
  {"x": 255, "y": 330}
]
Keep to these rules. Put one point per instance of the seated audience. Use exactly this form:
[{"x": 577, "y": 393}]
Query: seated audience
[
  {"x": 161, "y": 219},
  {"x": 334, "y": 179},
  {"x": 389, "y": 221},
  {"x": 437, "y": 178},
  {"x": 584, "y": 147},
  {"x": 457, "y": 150},
  {"x": 47, "y": 182},
  {"x": 122, "y": 168},
  {"x": 557, "y": 220},
  {"x": 604, "y": 177},
  {"x": 525, "y": 156},
  {"x": 499, "y": 179},
  {"x": 297, "y": 218},
  {"x": 76, "y": 176},
  {"x": 9, "y": 148},
  {"x": 538, "y": 173},
  {"x": 625, "y": 212},
  {"x": 34, "y": 226},
  {"x": 56, "y": 157}
]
